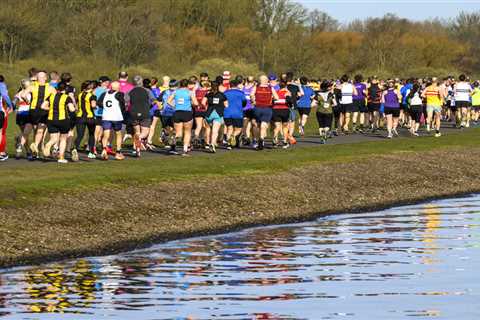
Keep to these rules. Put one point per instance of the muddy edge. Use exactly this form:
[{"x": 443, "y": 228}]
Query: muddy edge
[{"x": 119, "y": 219}]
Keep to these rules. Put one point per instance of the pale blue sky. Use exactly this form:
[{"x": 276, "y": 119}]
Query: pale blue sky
[{"x": 348, "y": 10}]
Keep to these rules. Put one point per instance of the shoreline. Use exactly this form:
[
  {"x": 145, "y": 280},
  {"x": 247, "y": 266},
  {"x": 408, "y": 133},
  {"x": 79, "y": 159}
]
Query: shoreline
[{"x": 156, "y": 215}]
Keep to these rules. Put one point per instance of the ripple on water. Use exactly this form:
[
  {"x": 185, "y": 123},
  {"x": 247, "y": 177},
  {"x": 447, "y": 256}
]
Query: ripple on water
[{"x": 416, "y": 261}]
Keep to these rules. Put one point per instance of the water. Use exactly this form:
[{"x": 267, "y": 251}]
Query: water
[{"x": 418, "y": 261}]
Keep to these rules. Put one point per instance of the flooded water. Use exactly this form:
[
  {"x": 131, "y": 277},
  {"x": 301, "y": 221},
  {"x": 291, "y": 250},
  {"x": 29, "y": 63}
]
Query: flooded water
[{"x": 419, "y": 261}]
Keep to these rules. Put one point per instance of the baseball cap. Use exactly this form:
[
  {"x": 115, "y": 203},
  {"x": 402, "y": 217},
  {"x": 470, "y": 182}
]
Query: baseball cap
[{"x": 272, "y": 76}]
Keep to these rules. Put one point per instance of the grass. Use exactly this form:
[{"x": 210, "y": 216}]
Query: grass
[{"x": 30, "y": 183}]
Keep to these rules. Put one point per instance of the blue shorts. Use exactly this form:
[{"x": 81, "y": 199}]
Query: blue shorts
[
  {"x": 214, "y": 117},
  {"x": 292, "y": 116},
  {"x": 263, "y": 114},
  {"x": 109, "y": 125}
]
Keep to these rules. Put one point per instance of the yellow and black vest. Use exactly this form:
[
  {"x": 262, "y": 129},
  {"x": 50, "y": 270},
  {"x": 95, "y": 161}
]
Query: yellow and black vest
[
  {"x": 58, "y": 107},
  {"x": 40, "y": 93},
  {"x": 84, "y": 105}
]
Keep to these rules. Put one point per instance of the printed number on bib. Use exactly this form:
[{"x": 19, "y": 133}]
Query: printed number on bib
[{"x": 216, "y": 100}]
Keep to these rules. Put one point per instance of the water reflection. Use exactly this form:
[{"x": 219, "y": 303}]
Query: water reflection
[{"x": 417, "y": 261}]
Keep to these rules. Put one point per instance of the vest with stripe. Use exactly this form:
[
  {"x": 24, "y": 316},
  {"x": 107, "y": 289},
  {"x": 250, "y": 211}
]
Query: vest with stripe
[
  {"x": 58, "y": 107},
  {"x": 40, "y": 93},
  {"x": 84, "y": 105}
]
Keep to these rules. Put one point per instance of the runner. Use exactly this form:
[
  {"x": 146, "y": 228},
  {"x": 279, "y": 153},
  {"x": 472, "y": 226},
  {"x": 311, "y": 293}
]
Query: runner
[
  {"x": 434, "y": 106},
  {"x": 125, "y": 87},
  {"x": 261, "y": 97},
  {"x": 54, "y": 79},
  {"x": 66, "y": 78},
  {"x": 462, "y": 93},
  {"x": 233, "y": 115},
  {"x": 476, "y": 101},
  {"x": 140, "y": 100},
  {"x": 6, "y": 107},
  {"x": 326, "y": 102},
  {"x": 114, "y": 107},
  {"x": 85, "y": 118},
  {"x": 346, "y": 102},
  {"x": 183, "y": 99},
  {"x": 415, "y": 106},
  {"x": 374, "y": 100},
  {"x": 167, "y": 136},
  {"x": 154, "y": 112},
  {"x": 40, "y": 91},
  {"x": 281, "y": 113},
  {"x": 359, "y": 104},
  {"x": 59, "y": 107},
  {"x": 199, "y": 113},
  {"x": 22, "y": 104},
  {"x": 248, "y": 113},
  {"x": 98, "y": 112},
  {"x": 296, "y": 91},
  {"x": 216, "y": 103},
  {"x": 304, "y": 105},
  {"x": 391, "y": 99}
]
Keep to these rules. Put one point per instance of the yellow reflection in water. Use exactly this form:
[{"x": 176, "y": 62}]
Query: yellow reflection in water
[{"x": 432, "y": 215}]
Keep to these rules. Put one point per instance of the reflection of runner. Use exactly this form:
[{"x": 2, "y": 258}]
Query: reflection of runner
[{"x": 432, "y": 215}]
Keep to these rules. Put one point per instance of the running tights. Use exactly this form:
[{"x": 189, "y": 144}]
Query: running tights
[{"x": 81, "y": 126}]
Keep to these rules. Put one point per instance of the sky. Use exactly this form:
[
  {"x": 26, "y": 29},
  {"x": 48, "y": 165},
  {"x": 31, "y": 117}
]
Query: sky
[{"x": 347, "y": 10}]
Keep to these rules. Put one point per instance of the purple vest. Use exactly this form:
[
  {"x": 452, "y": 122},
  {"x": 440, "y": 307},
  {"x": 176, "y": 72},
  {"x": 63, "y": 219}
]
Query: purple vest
[{"x": 391, "y": 99}]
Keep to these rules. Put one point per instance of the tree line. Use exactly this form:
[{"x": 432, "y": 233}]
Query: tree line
[{"x": 179, "y": 37}]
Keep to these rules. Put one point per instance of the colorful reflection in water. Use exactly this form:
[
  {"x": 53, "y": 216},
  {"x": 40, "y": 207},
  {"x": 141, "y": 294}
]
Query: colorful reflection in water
[{"x": 418, "y": 261}]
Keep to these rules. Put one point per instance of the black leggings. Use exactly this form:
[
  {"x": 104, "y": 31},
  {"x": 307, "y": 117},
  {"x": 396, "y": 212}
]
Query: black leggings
[{"x": 81, "y": 125}]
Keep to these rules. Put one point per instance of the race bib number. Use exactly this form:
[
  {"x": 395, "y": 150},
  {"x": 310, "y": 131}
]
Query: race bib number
[
  {"x": 247, "y": 97},
  {"x": 216, "y": 100},
  {"x": 181, "y": 101},
  {"x": 23, "y": 108},
  {"x": 326, "y": 105}
]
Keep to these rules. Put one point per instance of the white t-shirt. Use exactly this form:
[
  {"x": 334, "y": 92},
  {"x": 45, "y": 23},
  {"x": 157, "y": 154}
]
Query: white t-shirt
[
  {"x": 111, "y": 108},
  {"x": 347, "y": 93},
  {"x": 462, "y": 91}
]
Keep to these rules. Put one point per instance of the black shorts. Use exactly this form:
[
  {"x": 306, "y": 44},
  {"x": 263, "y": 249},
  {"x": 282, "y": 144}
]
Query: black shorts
[
  {"x": 199, "y": 114},
  {"x": 2, "y": 119},
  {"x": 38, "y": 117},
  {"x": 167, "y": 121},
  {"x": 157, "y": 114},
  {"x": 416, "y": 113},
  {"x": 58, "y": 126},
  {"x": 182, "y": 116},
  {"x": 462, "y": 104},
  {"x": 349, "y": 108},
  {"x": 249, "y": 114},
  {"x": 98, "y": 121},
  {"x": 374, "y": 107},
  {"x": 337, "y": 110},
  {"x": 23, "y": 119},
  {"x": 140, "y": 119},
  {"x": 236, "y": 123},
  {"x": 403, "y": 106},
  {"x": 360, "y": 106},
  {"x": 281, "y": 115},
  {"x": 324, "y": 119},
  {"x": 395, "y": 112},
  {"x": 302, "y": 111}
]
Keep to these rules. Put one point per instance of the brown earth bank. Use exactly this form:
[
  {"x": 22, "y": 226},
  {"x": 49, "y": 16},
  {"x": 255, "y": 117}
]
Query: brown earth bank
[{"x": 118, "y": 219}]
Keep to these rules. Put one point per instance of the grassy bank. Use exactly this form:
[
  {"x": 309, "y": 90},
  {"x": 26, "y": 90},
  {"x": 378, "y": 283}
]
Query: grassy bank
[
  {"x": 49, "y": 212},
  {"x": 30, "y": 184}
]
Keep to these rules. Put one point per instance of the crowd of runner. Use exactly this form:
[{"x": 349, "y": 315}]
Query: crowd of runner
[{"x": 55, "y": 119}]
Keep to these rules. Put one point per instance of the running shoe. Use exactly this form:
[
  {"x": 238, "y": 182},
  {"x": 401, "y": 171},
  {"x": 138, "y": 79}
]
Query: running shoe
[
  {"x": 91, "y": 155},
  {"x": 395, "y": 133},
  {"x": 110, "y": 151},
  {"x": 286, "y": 146},
  {"x": 29, "y": 157},
  {"x": 214, "y": 148},
  {"x": 3, "y": 157},
  {"x": 186, "y": 154},
  {"x": 302, "y": 130},
  {"x": 207, "y": 147},
  {"x": 229, "y": 147},
  {"x": 389, "y": 136},
  {"x": 75, "y": 157},
  {"x": 119, "y": 156},
  {"x": 261, "y": 144},
  {"x": 150, "y": 147},
  {"x": 62, "y": 161},
  {"x": 438, "y": 134}
]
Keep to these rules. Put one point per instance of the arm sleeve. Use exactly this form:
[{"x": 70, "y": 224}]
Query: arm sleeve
[{"x": 121, "y": 99}]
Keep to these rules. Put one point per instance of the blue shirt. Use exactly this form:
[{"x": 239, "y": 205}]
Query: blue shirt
[
  {"x": 4, "y": 95},
  {"x": 306, "y": 100},
  {"x": 236, "y": 101},
  {"x": 183, "y": 100},
  {"x": 167, "y": 110},
  {"x": 98, "y": 112},
  {"x": 404, "y": 91}
]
